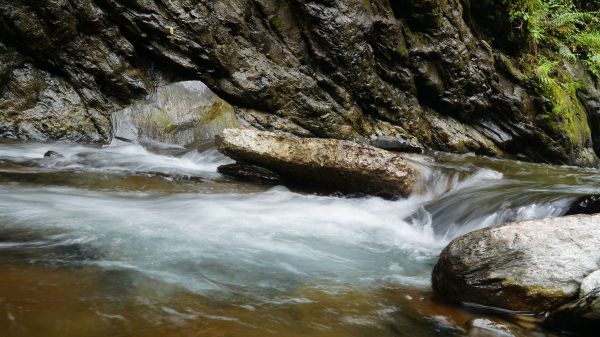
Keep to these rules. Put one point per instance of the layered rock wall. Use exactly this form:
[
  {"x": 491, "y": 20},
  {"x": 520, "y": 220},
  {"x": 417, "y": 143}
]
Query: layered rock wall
[{"x": 423, "y": 70}]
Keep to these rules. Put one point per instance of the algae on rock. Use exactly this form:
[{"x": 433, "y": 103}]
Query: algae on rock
[{"x": 181, "y": 114}]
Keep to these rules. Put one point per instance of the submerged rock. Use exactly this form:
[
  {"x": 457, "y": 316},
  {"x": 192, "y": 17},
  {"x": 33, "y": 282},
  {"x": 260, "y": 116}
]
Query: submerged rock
[
  {"x": 484, "y": 327},
  {"x": 323, "y": 163},
  {"x": 533, "y": 266},
  {"x": 585, "y": 205},
  {"x": 178, "y": 114},
  {"x": 53, "y": 154}
]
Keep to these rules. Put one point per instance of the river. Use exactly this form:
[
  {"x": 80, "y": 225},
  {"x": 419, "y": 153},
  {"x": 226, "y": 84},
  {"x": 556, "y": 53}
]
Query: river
[{"x": 123, "y": 241}]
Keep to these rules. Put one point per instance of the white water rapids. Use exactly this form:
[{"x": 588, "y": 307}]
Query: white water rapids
[{"x": 181, "y": 224}]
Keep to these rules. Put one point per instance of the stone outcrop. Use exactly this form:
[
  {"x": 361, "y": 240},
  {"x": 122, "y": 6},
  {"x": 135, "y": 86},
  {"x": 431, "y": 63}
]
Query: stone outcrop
[
  {"x": 325, "y": 164},
  {"x": 37, "y": 104},
  {"x": 432, "y": 71},
  {"x": 589, "y": 283},
  {"x": 182, "y": 113},
  {"x": 535, "y": 266}
]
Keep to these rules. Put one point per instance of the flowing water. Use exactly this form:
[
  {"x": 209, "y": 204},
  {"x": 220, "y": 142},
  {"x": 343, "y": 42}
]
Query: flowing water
[{"x": 123, "y": 241}]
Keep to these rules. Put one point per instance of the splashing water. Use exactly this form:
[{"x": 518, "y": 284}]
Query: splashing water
[{"x": 142, "y": 243}]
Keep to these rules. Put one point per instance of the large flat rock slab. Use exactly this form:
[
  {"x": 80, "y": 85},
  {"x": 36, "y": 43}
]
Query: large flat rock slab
[
  {"x": 531, "y": 265},
  {"x": 323, "y": 163}
]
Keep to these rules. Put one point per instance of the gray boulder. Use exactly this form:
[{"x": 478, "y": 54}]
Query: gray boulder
[
  {"x": 534, "y": 265},
  {"x": 323, "y": 163},
  {"x": 181, "y": 113}
]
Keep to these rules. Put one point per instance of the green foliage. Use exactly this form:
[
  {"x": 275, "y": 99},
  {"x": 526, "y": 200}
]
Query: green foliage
[
  {"x": 569, "y": 29},
  {"x": 544, "y": 72},
  {"x": 565, "y": 52},
  {"x": 558, "y": 32}
]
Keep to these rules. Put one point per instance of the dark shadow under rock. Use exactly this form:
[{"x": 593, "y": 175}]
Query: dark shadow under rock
[
  {"x": 582, "y": 315},
  {"x": 251, "y": 173},
  {"x": 585, "y": 205},
  {"x": 397, "y": 144}
]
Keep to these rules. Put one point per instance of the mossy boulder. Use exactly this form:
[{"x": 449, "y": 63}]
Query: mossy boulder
[
  {"x": 565, "y": 119},
  {"x": 181, "y": 113}
]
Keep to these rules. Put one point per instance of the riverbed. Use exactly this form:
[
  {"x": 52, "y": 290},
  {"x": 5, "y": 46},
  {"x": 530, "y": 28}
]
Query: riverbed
[{"x": 123, "y": 240}]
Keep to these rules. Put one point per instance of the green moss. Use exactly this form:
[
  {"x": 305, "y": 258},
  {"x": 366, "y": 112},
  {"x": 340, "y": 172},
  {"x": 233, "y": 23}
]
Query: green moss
[
  {"x": 562, "y": 116},
  {"x": 277, "y": 23},
  {"x": 219, "y": 111},
  {"x": 507, "y": 65},
  {"x": 563, "y": 29},
  {"x": 568, "y": 109},
  {"x": 415, "y": 38},
  {"x": 565, "y": 117},
  {"x": 161, "y": 120}
]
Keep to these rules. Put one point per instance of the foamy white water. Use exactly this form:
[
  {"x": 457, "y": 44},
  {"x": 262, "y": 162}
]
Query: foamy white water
[
  {"x": 269, "y": 240},
  {"x": 254, "y": 247},
  {"x": 124, "y": 158}
]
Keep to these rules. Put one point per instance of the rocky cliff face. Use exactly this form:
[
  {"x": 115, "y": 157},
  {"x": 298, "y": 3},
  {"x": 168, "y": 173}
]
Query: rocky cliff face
[{"x": 428, "y": 70}]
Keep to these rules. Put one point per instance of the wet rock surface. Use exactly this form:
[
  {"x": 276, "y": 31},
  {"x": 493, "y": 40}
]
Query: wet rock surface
[
  {"x": 583, "y": 314},
  {"x": 36, "y": 104},
  {"x": 334, "y": 69},
  {"x": 589, "y": 283},
  {"x": 181, "y": 113},
  {"x": 53, "y": 154},
  {"x": 484, "y": 327},
  {"x": 398, "y": 144},
  {"x": 585, "y": 205},
  {"x": 338, "y": 165},
  {"x": 534, "y": 266}
]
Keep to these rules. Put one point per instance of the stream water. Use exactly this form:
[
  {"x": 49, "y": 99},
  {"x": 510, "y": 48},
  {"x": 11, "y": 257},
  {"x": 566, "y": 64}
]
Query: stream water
[{"x": 123, "y": 241}]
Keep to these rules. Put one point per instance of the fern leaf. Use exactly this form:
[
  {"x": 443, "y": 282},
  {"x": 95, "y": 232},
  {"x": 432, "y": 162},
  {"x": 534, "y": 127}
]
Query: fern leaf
[{"x": 566, "y": 53}]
